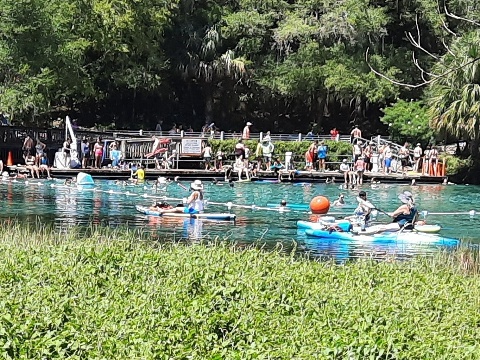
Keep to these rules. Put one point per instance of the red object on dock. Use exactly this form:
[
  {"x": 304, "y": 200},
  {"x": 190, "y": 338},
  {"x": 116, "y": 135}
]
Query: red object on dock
[{"x": 10, "y": 159}]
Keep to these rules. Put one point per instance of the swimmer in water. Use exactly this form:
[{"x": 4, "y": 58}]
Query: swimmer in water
[{"x": 340, "y": 201}]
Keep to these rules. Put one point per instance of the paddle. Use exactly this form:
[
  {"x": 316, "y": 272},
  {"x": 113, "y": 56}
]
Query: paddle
[
  {"x": 371, "y": 206},
  {"x": 181, "y": 185}
]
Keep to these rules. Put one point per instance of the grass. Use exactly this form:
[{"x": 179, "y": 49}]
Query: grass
[{"x": 115, "y": 295}]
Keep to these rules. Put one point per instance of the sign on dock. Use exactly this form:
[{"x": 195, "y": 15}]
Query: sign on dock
[{"x": 191, "y": 147}]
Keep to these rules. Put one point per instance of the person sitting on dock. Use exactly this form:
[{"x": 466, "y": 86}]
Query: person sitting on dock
[
  {"x": 345, "y": 169},
  {"x": 277, "y": 166},
  {"x": 194, "y": 203},
  {"x": 39, "y": 151},
  {"x": 239, "y": 167},
  {"x": 115, "y": 155},
  {"x": 30, "y": 165},
  {"x": 406, "y": 214}
]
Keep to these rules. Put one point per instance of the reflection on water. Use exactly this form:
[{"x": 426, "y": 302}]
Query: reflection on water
[{"x": 113, "y": 205}]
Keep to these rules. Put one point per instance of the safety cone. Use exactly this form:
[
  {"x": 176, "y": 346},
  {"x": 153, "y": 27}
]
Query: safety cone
[{"x": 10, "y": 159}]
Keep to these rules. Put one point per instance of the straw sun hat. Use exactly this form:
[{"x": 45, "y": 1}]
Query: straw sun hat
[{"x": 197, "y": 185}]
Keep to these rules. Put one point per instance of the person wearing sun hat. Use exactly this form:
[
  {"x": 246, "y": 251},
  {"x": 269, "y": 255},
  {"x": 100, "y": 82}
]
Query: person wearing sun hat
[
  {"x": 194, "y": 203},
  {"x": 406, "y": 215},
  {"x": 246, "y": 131}
]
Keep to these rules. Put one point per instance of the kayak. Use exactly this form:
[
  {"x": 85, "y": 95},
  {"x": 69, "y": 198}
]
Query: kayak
[
  {"x": 406, "y": 236},
  {"x": 209, "y": 216},
  {"x": 345, "y": 225},
  {"x": 369, "y": 230}
]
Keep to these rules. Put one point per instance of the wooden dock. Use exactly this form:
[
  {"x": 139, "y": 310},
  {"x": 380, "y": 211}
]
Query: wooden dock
[{"x": 300, "y": 176}]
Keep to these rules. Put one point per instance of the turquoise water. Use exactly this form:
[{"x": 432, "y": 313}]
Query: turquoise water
[{"x": 111, "y": 204}]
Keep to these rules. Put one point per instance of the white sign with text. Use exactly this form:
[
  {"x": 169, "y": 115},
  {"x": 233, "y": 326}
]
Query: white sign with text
[{"x": 192, "y": 146}]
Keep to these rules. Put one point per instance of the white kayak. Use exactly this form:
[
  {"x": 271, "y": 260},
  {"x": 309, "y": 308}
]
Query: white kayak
[{"x": 209, "y": 216}]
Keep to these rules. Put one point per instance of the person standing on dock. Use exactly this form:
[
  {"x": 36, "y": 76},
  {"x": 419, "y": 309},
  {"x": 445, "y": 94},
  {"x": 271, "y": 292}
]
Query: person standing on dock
[
  {"x": 158, "y": 128},
  {"x": 39, "y": 151},
  {"x": 207, "y": 155},
  {"x": 267, "y": 151},
  {"x": 98, "y": 151},
  {"x": 433, "y": 160},
  {"x": 417, "y": 155},
  {"x": 66, "y": 152},
  {"x": 239, "y": 150},
  {"x": 27, "y": 146},
  {"x": 387, "y": 156},
  {"x": 322, "y": 155},
  {"x": 355, "y": 135},
  {"x": 85, "y": 151},
  {"x": 403, "y": 155},
  {"x": 246, "y": 131},
  {"x": 357, "y": 151}
]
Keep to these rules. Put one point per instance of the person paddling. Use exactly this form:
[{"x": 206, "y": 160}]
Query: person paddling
[
  {"x": 406, "y": 214},
  {"x": 364, "y": 207},
  {"x": 194, "y": 204}
]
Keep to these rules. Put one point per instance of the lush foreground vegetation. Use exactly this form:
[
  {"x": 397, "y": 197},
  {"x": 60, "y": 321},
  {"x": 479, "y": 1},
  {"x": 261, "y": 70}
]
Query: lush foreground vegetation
[{"x": 114, "y": 295}]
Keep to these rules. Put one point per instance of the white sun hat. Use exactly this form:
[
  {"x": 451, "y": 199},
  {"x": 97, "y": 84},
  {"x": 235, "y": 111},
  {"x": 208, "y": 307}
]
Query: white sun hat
[
  {"x": 249, "y": 123},
  {"x": 197, "y": 185}
]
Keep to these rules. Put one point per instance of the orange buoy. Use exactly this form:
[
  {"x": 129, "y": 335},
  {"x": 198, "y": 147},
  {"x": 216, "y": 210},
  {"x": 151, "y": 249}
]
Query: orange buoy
[
  {"x": 9, "y": 159},
  {"x": 319, "y": 205}
]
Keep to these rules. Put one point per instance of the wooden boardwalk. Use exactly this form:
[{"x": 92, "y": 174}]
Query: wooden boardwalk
[{"x": 300, "y": 176}]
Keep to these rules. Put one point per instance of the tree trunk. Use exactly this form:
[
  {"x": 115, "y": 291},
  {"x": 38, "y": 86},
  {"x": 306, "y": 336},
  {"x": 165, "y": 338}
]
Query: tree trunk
[
  {"x": 208, "y": 93},
  {"x": 474, "y": 148},
  {"x": 320, "y": 111}
]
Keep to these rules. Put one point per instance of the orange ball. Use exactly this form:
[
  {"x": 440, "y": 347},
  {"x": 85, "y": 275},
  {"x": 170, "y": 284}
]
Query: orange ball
[{"x": 319, "y": 205}]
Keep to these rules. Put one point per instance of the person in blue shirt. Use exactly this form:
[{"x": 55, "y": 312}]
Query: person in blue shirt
[{"x": 322, "y": 155}]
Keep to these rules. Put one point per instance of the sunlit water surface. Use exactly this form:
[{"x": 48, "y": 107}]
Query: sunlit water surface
[{"x": 111, "y": 204}]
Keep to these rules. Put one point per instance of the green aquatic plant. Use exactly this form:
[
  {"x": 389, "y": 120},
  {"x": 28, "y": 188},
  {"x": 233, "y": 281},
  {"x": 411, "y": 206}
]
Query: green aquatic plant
[{"x": 115, "y": 294}]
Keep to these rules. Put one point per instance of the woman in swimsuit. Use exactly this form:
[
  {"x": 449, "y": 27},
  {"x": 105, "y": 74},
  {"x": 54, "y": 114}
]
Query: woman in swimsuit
[{"x": 98, "y": 151}]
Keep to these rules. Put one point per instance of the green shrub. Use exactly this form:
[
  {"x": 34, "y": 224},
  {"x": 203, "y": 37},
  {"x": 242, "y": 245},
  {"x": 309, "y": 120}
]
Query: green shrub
[
  {"x": 336, "y": 149},
  {"x": 456, "y": 165},
  {"x": 108, "y": 295}
]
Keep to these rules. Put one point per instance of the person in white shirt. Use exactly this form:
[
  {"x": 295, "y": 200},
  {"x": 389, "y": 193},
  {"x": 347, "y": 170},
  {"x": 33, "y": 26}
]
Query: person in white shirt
[
  {"x": 207, "y": 156},
  {"x": 345, "y": 169},
  {"x": 387, "y": 155},
  {"x": 417, "y": 155},
  {"x": 246, "y": 131}
]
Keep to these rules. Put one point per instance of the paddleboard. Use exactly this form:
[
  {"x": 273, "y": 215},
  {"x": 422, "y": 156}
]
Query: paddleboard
[
  {"x": 428, "y": 228},
  {"x": 210, "y": 216}
]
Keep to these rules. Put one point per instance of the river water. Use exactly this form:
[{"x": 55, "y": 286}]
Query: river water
[{"x": 113, "y": 204}]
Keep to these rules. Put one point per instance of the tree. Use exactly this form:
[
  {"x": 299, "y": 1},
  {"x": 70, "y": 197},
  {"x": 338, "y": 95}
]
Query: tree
[
  {"x": 408, "y": 121},
  {"x": 454, "y": 97}
]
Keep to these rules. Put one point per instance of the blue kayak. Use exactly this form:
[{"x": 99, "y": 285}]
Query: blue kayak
[{"x": 388, "y": 237}]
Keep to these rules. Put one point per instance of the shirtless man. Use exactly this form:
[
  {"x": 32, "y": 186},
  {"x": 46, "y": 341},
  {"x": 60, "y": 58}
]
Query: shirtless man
[{"x": 355, "y": 134}]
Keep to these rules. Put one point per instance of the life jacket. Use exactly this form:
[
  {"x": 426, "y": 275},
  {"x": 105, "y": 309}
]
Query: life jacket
[{"x": 403, "y": 219}]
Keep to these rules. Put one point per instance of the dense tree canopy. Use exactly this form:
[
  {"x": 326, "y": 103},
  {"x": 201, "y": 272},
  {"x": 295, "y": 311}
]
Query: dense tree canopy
[{"x": 285, "y": 65}]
